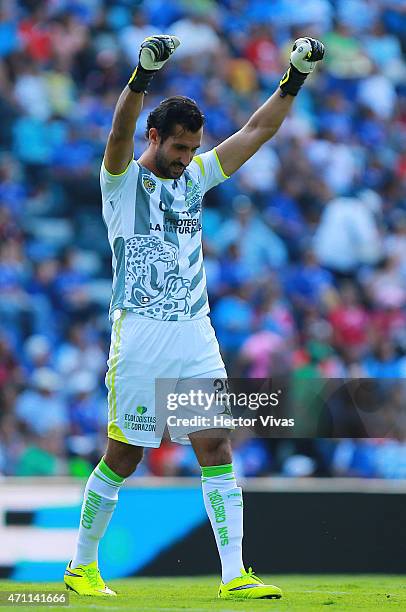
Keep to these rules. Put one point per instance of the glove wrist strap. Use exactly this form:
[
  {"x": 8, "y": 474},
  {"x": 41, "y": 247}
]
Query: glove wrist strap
[
  {"x": 291, "y": 81},
  {"x": 140, "y": 79}
]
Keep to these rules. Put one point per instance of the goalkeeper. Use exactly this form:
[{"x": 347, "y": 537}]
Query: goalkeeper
[{"x": 159, "y": 306}]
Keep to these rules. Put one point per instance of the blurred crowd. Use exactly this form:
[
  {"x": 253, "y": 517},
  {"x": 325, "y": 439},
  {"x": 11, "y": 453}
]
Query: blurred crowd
[{"x": 305, "y": 246}]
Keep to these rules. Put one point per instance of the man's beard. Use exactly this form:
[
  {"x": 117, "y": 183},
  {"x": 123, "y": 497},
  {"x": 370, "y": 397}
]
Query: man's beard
[{"x": 166, "y": 169}]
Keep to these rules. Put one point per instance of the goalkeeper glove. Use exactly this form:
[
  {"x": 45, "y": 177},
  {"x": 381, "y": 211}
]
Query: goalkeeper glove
[
  {"x": 305, "y": 53},
  {"x": 154, "y": 53}
]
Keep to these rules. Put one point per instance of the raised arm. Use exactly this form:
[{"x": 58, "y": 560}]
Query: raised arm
[
  {"x": 154, "y": 53},
  {"x": 265, "y": 122},
  {"x": 120, "y": 144}
]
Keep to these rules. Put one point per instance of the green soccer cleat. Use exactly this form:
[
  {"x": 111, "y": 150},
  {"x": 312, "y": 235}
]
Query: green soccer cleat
[
  {"x": 248, "y": 586},
  {"x": 86, "y": 580}
]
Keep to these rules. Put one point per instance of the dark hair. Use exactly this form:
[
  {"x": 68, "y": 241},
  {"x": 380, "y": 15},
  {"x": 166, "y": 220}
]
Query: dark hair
[{"x": 177, "y": 110}]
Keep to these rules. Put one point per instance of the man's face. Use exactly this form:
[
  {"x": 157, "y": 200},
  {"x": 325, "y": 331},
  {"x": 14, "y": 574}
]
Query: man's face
[{"x": 175, "y": 153}]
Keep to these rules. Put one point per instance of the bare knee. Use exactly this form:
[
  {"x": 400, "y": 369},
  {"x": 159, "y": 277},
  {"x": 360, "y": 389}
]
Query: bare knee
[
  {"x": 211, "y": 451},
  {"x": 122, "y": 458}
]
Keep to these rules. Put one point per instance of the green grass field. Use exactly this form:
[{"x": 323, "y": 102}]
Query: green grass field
[{"x": 313, "y": 593}]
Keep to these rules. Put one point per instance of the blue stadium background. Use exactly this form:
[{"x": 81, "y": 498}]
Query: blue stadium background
[{"x": 305, "y": 246}]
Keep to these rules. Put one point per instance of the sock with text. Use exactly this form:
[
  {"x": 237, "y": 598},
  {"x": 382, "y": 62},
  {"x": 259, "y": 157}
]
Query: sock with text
[
  {"x": 224, "y": 506},
  {"x": 100, "y": 500}
]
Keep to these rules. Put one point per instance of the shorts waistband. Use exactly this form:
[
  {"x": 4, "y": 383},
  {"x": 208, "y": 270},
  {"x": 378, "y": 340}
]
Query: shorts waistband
[{"x": 116, "y": 314}]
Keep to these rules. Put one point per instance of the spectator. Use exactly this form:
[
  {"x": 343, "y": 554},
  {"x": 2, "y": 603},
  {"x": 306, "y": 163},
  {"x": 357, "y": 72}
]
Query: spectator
[
  {"x": 198, "y": 37},
  {"x": 40, "y": 408},
  {"x": 260, "y": 247},
  {"x": 385, "y": 285},
  {"x": 233, "y": 318},
  {"x": 377, "y": 93},
  {"x": 346, "y": 58},
  {"x": 308, "y": 284},
  {"x": 132, "y": 36},
  {"x": 81, "y": 351},
  {"x": 263, "y": 53},
  {"x": 31, "y": 92},
  {"x": 350, "y": 322},
  {"x": 348, "y": 236}
]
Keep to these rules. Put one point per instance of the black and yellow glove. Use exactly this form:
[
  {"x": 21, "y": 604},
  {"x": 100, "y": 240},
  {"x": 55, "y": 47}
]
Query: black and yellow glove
[
  {"x": 154, "y": 53},
  {"x": 305, "y": 53}
]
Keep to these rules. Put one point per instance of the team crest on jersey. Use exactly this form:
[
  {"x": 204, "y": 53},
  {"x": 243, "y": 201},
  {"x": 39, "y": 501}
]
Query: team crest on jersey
[{"x": 148, "y": 183}]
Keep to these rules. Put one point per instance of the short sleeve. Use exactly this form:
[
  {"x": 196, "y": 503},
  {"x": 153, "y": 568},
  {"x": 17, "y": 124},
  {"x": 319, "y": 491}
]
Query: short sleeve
[
  {"x": 209, "y": 169},
  {"x": 112, "y": 184}
]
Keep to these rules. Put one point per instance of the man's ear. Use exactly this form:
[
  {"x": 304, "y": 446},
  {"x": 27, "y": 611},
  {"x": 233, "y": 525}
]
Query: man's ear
[{"x": 153, "y": 136}]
